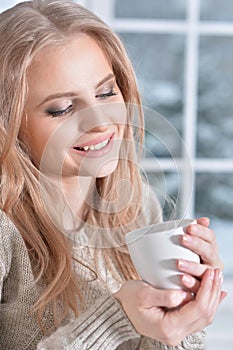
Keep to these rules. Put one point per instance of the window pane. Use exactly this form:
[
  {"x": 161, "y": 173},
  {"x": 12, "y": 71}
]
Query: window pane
[
  {"x": 161, "y": 137},
  {"x": 214, "y": 198},
  {"x": 215, "y": 10},
  {"x": 159, "y": 64},
  {"x": 215, "y": 106},
  {"x": 7, "y": 3},
  {"x": 169, "y": 9}
]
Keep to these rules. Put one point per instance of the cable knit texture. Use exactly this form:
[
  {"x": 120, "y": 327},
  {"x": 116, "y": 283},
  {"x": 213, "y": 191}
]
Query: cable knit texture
[{"x": 103, "y": 325}]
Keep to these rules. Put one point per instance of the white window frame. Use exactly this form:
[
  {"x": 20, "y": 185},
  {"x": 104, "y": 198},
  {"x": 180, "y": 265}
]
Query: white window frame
[{"x": 193, "y": 29}]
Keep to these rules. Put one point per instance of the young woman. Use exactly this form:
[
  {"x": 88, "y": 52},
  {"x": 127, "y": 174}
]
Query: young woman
[{"x": 71, "y": 189}]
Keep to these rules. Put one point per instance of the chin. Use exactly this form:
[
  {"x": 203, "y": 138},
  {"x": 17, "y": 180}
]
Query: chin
[{"x": 107, "y": 169}]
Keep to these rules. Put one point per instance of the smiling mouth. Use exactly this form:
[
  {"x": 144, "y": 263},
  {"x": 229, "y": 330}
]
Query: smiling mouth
[{"x": 95, "y": 147}]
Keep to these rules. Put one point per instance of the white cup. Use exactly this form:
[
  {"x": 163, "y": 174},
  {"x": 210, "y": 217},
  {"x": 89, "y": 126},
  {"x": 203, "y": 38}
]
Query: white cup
[{"x": 155, "y": 249}]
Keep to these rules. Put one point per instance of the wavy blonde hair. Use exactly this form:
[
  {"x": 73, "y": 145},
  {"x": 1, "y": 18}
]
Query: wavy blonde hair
[{"x": 25, "y": 30}]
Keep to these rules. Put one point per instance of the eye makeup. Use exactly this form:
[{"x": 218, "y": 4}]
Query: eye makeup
[
  {"x": 106, "y": 94},
  {"x": 56, "y": 112},
  {"x": 65, "y": 107},
  {"x": 107, "y": 90}
]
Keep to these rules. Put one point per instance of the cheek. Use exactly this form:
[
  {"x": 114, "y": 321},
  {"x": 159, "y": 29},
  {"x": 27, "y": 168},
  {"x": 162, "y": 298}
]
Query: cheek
[
  {"x": 37, "y": 146},
  {"x": 119, "y": 113},
  {"x": 35, "y": 137}
]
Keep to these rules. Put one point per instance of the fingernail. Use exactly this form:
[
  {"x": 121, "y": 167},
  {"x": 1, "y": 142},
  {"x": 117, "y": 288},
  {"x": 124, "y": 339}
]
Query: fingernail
[
  {"x": 182, "y": 264},
  {"x": 194, "y": 229},
  {"x": 186, "y": 279},
  {"x": 185, "y": 295},
  {"x": 221, "y": 277},
  {"x": 187, "y": 238},
  {"x": 212, "y": 273}
]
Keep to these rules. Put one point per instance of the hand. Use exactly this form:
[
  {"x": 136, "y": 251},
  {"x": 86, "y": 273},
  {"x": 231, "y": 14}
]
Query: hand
[
  {"x": 148, "y": 308},
  {"x": 201, "y": 239}
]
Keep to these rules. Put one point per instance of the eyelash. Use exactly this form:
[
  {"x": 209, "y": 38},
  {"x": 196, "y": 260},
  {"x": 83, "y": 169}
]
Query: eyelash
[
  {"x": 56, "y": 114},
  {"x": 107, "y": 94},
  {"x": 59, "y": 113}
]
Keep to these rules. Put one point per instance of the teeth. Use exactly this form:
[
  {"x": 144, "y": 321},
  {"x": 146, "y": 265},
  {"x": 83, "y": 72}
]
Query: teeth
[
  {"x": 101, "y": 145},
  {"x": 96, "y": 147}
]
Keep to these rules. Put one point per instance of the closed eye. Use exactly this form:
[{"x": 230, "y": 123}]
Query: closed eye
[
  {"x": 60, "y": 112},
  {"x": 106, "y": 95}
]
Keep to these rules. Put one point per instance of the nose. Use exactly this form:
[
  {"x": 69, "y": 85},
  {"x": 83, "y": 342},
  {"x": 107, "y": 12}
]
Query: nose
[
  {"x": 93, "y": 119},
  {"x": 99, "y": 128}
]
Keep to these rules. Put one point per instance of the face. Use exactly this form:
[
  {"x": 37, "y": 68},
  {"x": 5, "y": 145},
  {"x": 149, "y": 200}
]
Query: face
[{"x": 75, "y": 113}]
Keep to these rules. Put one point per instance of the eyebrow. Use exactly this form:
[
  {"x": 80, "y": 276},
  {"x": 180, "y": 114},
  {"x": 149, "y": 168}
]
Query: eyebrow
[
  {"x": 74, "y": 94},
  {"x": 107, "y": 78}
]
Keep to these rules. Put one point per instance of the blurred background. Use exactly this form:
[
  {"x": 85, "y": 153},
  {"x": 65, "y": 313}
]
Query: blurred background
[{"x": 182, "y": 52}]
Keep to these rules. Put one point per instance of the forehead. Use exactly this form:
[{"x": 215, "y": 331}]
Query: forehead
[
  {"x": 77, "y": 62},
  {"x": 81, "y": 43}
]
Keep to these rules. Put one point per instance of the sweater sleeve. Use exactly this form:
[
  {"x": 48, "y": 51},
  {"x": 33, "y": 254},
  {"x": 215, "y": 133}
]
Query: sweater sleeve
[
  {"x": 2, "y": 271},
  {"x": 5, "y": 251},
  {"x": 103, "y": 326},
  {"x": 194, "y": 341}
]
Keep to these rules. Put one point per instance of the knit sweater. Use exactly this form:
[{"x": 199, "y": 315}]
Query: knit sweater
[{"x": 103, "y": 324}]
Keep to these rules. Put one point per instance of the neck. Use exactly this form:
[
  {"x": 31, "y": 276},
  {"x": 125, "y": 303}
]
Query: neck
[
  {"x": 69, "y": 212},
  {"x": 76, "y": 191}
]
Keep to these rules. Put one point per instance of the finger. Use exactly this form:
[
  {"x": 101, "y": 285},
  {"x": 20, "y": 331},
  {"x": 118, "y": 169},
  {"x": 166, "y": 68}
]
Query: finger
[
  {"x": 191, "y": 283},
  {"x": 194, "y": 313},
  {"x": 207, "y": 251},
  {"x": 204, "y": 292},
  {"x": 163, "y": 298},
  {"x": 202, "y": 232},
  {"x": 148, "y": 297},
  {"x": 191, "y": 267},
  {"x": 199, "y": 313},
  {"x": 223, "y": 296},
  {"x": 204, "y": 221},
  {"x": 215, "y": 294}
]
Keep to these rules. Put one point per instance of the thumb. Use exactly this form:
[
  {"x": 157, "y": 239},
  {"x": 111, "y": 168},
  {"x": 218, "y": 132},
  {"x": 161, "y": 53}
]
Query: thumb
[{"x": 167, "y": 298}]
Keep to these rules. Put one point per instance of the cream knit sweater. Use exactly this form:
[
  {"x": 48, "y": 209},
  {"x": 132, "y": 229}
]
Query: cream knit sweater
[{"x": 103, "y": 325}]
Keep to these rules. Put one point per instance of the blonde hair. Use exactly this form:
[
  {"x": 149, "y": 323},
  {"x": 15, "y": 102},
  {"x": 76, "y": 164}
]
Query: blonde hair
[{"x": 25, "y": 30}]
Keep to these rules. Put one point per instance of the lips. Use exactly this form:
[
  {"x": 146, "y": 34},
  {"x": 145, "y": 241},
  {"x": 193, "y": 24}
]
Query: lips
[
  {"x": 95, "y": 147},
  {"x": 98, "y": 146}
]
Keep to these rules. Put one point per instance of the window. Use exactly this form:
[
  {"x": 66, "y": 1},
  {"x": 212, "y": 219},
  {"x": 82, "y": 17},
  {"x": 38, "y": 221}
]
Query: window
[
  {"x": 182, "y": 53},
  {"x": 7, "y": 3}
]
